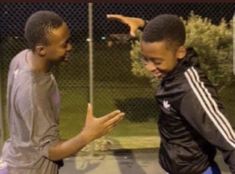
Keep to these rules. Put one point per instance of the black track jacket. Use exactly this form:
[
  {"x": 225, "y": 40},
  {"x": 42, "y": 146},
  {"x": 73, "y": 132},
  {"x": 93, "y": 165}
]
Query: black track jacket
[{"x": 191, "y": 121}]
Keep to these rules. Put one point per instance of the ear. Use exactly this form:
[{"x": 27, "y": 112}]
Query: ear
[
  {"x": 40, "y": 50},
  {"x": 181, "y": 52}
]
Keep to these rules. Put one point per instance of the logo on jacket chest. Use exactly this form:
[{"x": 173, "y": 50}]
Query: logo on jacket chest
[
  {"x": 168, "y": 108},
  {"x": 166, "y": 104}
]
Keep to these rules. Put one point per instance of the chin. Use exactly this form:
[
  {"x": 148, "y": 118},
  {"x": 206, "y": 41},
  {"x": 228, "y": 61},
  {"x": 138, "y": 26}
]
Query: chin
[
  {"x": 61, "y": 60},
  {"x": 158, "y": 76}
]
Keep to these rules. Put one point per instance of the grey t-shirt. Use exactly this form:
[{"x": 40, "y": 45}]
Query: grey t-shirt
[{"x": 33, "y": 115}]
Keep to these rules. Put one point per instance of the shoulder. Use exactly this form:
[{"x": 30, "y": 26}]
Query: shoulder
[
  {"x": 33, "y": 86},
  {"x": 198, "y": 83},
  {"x": 195, "y": 76},
  {"x": 18, "y": 59}
]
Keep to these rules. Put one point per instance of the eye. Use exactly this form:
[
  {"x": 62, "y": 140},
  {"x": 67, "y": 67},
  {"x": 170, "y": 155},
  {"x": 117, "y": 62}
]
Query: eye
[{"x": 157, "y": 62}]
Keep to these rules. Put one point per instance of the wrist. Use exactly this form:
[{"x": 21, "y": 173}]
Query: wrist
[{"x": 86, "y": 136}]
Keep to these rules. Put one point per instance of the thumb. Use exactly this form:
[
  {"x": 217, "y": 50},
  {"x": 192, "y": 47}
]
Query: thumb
[
  {"x": 133, "y": 31},
  {"x": 89, "y": 111}
]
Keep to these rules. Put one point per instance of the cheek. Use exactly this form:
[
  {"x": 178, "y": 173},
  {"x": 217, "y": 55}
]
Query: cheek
[
  {"x": 51, "y": 52},
  {"x": 150, "y": 67},
  {"x": 58, "y": 53},
  {"x": 55, "y": 55},
  {"x": 62, "y": 51},
  {"x": 147, "y": 67},
  {"x": 170, "y": 63}
]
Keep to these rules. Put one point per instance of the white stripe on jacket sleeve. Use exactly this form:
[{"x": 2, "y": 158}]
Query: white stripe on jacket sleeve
[{"x": 210, "y": 106}]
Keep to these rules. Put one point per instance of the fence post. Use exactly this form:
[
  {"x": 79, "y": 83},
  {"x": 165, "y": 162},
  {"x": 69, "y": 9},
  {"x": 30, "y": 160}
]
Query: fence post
[
  {"x": 91, "y": 80},
  {"x": 90, "y": 40}
]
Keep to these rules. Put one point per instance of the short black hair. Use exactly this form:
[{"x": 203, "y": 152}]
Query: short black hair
[
  {"x": 39, "y": 26},
  {"x": 165, "y": 27}
]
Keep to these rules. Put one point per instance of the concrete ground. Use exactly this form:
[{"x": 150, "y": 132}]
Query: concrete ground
[{"x": 143, "y": 161}]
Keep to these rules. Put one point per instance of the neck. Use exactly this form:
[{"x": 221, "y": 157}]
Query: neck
[{"x": 37, "y": 63}]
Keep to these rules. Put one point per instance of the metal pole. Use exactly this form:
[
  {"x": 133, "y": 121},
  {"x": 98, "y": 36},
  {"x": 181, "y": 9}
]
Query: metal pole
[
  {"x": 90, "y": 40},
  {"x": 91, "y": 82},
  {"x": 1, "y": 110}
]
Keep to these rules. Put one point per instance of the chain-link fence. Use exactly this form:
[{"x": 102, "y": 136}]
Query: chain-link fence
[{"x": 114, "y": 84}]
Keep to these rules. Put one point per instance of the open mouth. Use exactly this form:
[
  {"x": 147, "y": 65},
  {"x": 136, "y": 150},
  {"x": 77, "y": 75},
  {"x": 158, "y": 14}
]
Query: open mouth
[{"x": 158, "y": 74}]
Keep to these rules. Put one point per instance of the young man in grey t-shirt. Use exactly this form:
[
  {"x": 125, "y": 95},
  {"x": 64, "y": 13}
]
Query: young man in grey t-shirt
[{"x": 34, "y": 146}]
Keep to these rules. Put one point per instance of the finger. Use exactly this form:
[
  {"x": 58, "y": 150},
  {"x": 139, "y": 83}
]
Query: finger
[
  {"x": 109, "y": 116},
  {"x": 117, "y": 17},
  {"x": 115, "y": 120},
  {"x": 133, "y": 31},
  {"x": 89, "y": 111},
  {"x": 114, "y": 16},
  {"x": 110, "y": 127},
  {"x": 114, "y": 124}
]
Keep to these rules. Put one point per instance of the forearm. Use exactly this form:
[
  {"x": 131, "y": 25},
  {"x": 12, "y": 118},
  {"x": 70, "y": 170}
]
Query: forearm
[{"x": 68, "y": 147}]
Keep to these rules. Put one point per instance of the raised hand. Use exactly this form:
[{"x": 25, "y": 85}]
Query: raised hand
[
  {"x": 94, "y": 128},
  {"x": 133, "y": 22},
  {"x": 97, "y": 127}
]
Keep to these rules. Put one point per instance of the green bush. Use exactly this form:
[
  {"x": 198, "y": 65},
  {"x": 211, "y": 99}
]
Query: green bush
[{"x": 213, "y": 43}]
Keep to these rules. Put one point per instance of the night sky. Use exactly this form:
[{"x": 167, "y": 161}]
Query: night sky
[{"x": 14, "y": 15}]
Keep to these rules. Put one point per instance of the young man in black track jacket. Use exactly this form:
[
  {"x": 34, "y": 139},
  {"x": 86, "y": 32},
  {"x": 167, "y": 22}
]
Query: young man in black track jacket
[{"x": 191, "y": 123}]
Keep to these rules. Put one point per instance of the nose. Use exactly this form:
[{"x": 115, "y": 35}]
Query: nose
[
  {"x": 151, "y": 67},
  {"x": 69, "y": 47}
]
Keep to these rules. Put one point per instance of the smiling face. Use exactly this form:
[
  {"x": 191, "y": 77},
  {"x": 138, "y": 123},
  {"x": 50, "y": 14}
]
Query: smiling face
[
  {"x": 58, "y": 47},
  {"x": 159, "y": 59},
  {"x": 162, "y": 44}
]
